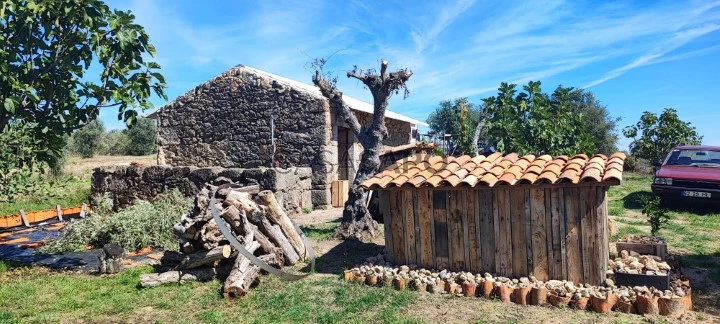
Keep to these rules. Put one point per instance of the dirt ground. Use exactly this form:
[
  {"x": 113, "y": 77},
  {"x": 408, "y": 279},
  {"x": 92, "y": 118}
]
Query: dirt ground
[
  {"x": 332, "y": 260},
  {"x": 81, "y": 167}
]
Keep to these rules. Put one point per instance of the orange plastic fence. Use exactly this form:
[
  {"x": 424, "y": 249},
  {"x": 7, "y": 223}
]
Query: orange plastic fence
[{"x": 37, "y": 216}]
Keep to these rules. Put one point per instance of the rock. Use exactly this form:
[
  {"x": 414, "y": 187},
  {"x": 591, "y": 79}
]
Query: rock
[
  {"x": 624, "y": 254},
  {"x": 610, "y": 283},
  {"x": 404, "y": 269}
]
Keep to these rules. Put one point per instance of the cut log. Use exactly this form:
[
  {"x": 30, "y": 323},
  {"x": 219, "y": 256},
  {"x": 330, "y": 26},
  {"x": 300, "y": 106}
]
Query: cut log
[
  {"x": 277, "y": 215},
  {"x": 244, "y": 278},
  {"x": 201, "y": 258},
  {"x": 252, "y": 189},
  {"x": 241, "y": 271},
  {"x": 275, "y": 234},
  {"x": 157, "y": 279},
  {"x": 242, "y": 201}
]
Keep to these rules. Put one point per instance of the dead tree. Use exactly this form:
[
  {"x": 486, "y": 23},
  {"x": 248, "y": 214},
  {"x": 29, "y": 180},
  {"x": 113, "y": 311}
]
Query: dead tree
[{"x": 356, "y": 221}]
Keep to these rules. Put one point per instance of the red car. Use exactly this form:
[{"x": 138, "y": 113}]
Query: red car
[{"x": 690, "y": 173}]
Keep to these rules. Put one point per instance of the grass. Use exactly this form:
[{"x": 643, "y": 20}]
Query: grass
[
  {"x": 320, "y": 232},
  {"x": 693, "y": 232},
  {"x": 74, "y": 192},
  {"x": 66, "y": 297}
]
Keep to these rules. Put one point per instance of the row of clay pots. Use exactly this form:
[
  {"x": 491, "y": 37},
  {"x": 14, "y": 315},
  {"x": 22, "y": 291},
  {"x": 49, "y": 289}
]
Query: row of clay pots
[{"x": 643, "y": 304}]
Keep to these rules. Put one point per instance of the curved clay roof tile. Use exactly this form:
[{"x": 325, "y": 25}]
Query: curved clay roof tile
[
  {"x": 462, "y": 159},
  {"x": 570, "y": 175},
  {"x": 547, "y": 177},
  {"x": 591, "y": 174},
  {"x": 417, "y": 181},
  {"x": 528, "y": 178},
  {"x": 620, "y": 155},
  {"x": 536, "y": 169},
  {"x": 489, "y": 179},
  {"x": 478, "y": 159},
  {"x": 612, "y": 174},
  {"x": 471, "y": 180},
  {"x": 492, "y": 157},
  {"x": 507, "y": 178}
]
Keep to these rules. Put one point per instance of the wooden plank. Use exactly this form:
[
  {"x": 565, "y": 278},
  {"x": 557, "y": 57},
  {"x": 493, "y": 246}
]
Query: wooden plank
[
  {"x": 528, "y": 232},
  {"x": 472, "y": 229},
  {"x": 416, "y": 221},
  {"x": 59, "y": 212},
  {"x": 601, "y": 241},
  {"x": 24, "y": 219},
  {"x": 466, "y": 231},
  {"x": 440, "y": 228},
  {"x": 457, "y": 237},
  {"x": 562, "y": 233},
  {"x": 504, "y": 234},
  {"x": 409, "y": 222},
  {"x": 384, "y": 201},
  {"x": 587, "y": 244},
  {"x": 517, "y": 219},
  {"x": 424, "y": 213},
  {"x": 540, "y": 266},
  {"x": 487, "y": 231},
  {"x": 573, "y": 235},
  {"x": 398, "y": 235},
  {"x": 551, "y": 231}
]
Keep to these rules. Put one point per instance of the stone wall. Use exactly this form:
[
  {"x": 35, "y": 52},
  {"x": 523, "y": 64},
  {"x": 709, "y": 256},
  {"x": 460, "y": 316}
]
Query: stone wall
[{"x": 125, "y": 184}]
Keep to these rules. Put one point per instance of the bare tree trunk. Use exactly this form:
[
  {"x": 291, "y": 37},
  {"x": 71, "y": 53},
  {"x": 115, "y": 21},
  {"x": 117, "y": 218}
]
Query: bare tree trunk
[
  {"x": 357, "y": 222},
  {"x": 478, "y": 130}
]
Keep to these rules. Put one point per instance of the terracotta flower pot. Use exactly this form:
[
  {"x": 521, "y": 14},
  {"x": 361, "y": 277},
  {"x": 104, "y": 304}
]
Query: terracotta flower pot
[
  {"x": 538, "y": 296},
  {"x": 603, "y": 305},
  {"x": 556, "y": 300},
  {"x": 399, "y": 284},
  {"x": 671, "y": 307},
  {"x": 624, "y": 307},
  {"x": 580, "y": 304},
  {"x": 486, "y": 289},
  {"x": 371, "y": 280},
  {"x": 687, "y": 299},
  {"x": 348, "y": 275},
  {"x": 468, "y": 289},
  {"x": 647, "y": 305},
  {"x": 505, "y": 293},
  {"x": 521, "y": 295},
  {"x": 387, "y": 281},
  {"x": 360, "y": 279}
]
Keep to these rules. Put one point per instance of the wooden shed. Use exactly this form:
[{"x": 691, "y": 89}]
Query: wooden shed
[{"x": 513, "y": 216}]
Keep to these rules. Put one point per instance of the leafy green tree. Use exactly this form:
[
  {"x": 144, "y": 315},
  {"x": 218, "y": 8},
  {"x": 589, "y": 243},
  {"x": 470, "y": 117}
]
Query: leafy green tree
[
  {"x": 597, "y": 122},
  {"x": 654, "y": 136},
  {"x": 88, "y": 141},
  {"x": 458, "y": 118},
  {"x": 142, "y": 137},
  {"x": 48, "y": 52},
  {"x": 534, "y": 122},
  {"x": 117, "y": 142}
]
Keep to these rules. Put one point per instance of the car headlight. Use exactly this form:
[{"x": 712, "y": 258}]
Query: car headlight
[{"x": 663, "y": 181}]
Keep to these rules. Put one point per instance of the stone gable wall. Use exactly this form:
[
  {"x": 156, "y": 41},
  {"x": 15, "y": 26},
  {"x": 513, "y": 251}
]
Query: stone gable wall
[{"x": 125, "y": 184}]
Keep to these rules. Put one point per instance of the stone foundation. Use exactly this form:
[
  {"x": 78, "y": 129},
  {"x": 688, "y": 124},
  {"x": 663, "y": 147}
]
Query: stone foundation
[{"x": 125, "y": 184}]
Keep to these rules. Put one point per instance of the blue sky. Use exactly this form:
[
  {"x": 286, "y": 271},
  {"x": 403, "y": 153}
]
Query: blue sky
[{"x": 634, "y": 55}]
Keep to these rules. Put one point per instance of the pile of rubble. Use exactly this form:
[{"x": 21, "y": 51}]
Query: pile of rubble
[
  {"x": 526, "y": 290},
  {"x": 634, "y": 263},
  {"x": 643, "y": 239}
]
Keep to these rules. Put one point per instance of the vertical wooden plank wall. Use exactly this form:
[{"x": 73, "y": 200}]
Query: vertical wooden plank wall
[{"x": 551, "y": 233}]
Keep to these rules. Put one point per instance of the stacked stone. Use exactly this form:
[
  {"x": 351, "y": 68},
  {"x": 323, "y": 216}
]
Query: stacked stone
[
  {"x": 525, "y": 290},
  {"x": 634, "y": 263}
]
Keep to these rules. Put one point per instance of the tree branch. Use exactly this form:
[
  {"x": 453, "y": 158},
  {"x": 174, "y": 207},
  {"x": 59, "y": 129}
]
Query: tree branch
[{"x": 330, "y": 92}]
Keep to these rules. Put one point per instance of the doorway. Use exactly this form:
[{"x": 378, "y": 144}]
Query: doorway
[{"x": 343, "y": 153}]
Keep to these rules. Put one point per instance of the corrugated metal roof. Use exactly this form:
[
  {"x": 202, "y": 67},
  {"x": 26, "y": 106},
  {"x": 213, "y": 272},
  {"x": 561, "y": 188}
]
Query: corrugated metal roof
[{"x": 355, "y": 104}]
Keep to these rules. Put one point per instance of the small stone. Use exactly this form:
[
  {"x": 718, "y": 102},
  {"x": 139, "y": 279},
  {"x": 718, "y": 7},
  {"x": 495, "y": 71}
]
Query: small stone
[
  {"x": 404, "y": 269},
  {"x": 624, "y": 254},
  {"x": 610, "y": 283}
]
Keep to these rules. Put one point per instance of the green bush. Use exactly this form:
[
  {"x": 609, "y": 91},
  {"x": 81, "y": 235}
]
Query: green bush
[
  {"x": 634, "y": 164},
  {"x": 117, "y": 142},
  {"x": 657, "y": 216},
  {"x": 137, "y": 226},
  {"x": 88, "y": 140},
  {"x": 142, "y": 137}
]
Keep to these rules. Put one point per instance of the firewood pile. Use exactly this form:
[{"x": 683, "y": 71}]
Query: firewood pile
[
  {"x": 257, "y": 221},
  {"x": 526, "y": 290}
]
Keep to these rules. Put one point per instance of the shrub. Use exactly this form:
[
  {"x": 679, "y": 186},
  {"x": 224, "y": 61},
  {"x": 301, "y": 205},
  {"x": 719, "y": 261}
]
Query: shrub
[
  {"x": 142, "y": 137},
  {"x": 634, "y": 164},
  {"x": 139, "y": 225},
  {"x": 88, "y": 140},
  {"x": 657, "y": 216},
  {"x": 117, "y": 142}
]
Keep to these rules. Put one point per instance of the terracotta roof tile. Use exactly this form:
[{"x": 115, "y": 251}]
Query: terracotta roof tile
[{"x": 495, "y": 169}]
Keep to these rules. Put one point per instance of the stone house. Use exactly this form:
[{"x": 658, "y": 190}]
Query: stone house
[{"x": 248, "y": 118}]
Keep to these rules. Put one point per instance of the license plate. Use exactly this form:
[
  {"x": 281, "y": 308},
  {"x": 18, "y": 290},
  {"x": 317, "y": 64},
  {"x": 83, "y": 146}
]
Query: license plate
[{"x": 697, "y": 194}]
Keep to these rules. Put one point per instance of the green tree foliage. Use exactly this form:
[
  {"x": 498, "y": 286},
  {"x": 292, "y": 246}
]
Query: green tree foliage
[
  {"x": 657, "y": 216},
  {"x": 89, "y": 140},
  {"x": 458, "y": 118},
  {"x": 47, "y": 49},
  {"x": 654, "y": 136},
  {"x": 117, "y": 142},
  {"x": 568, "y": 121},
  {"x": 142, "y": 137}
]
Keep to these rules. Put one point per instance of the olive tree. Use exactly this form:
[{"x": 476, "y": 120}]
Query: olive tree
[{"x": 356, "y": 220}]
